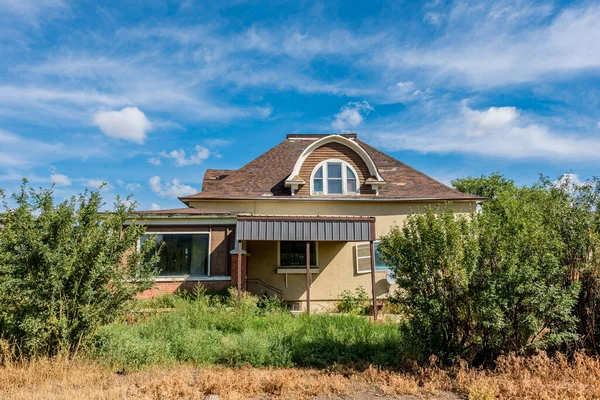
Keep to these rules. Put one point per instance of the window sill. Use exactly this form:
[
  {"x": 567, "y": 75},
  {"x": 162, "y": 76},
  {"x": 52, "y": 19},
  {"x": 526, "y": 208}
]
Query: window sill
[
  {"x": 189, "y": 278},
  {"x": 297, "y": 270}
]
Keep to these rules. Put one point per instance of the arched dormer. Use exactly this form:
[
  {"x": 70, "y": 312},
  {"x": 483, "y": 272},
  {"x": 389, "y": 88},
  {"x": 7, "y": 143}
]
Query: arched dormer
[{"x": 359, "y": 161}]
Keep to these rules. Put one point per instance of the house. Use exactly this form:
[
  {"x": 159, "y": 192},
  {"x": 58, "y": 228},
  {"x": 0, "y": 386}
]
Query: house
[{"x": 300, "y": 221}]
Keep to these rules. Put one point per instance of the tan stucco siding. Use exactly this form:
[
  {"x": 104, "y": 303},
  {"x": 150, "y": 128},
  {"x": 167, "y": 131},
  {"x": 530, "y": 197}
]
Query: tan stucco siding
[
  {"x": 337, "y": 273},
  {"x": 336, "y": 260},
  {"x": 386, "y": 213}
]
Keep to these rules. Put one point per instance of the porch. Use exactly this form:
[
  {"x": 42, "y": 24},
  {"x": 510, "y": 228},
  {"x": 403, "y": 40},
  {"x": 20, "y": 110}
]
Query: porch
[{"x": 298, "y": 254}]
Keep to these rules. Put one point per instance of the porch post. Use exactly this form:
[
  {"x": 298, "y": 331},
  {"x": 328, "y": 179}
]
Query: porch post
[
  {"x": 308, "y": 278},
  {"x": 239, "y": 274},
  {"x": 372, "y": 247}
]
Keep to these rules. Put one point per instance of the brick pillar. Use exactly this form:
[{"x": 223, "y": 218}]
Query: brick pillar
[{"x": 234, "y": 267}]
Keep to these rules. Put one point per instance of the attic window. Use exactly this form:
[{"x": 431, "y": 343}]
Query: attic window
[{"x": 334, "y": 177}]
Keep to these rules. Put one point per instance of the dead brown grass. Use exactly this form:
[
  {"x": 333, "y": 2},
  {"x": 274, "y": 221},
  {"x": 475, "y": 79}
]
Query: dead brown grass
[{"x": 538, "y": 377}]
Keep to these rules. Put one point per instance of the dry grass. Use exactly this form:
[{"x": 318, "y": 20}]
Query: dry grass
[{"x": 538, "y": 377}]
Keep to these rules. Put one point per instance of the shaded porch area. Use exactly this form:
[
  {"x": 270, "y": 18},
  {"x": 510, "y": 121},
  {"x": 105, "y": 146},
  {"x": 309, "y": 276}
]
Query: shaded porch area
[{"x": 297, "y": 242}]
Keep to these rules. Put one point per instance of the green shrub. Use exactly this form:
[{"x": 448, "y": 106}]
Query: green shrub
[
  {"x": 66, "y": 269},
  {"x": 476, "y": 286},
  {"x": 354, "y": 303}
]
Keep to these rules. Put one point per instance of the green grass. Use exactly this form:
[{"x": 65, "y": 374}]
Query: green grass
[{"x": 210, "y": 330}]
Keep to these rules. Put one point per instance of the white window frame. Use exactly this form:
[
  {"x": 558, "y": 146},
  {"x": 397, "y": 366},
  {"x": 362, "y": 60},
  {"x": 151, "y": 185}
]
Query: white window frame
[
  {"x": 189, "y": 277},
  {"x": 358, "y": 271},
  {"x": 326, "y": 177},
  {"x": 387, "y": 268}
]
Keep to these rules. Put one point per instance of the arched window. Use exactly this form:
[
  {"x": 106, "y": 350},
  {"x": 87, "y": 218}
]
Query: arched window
[{"x": 334, "y": 177}]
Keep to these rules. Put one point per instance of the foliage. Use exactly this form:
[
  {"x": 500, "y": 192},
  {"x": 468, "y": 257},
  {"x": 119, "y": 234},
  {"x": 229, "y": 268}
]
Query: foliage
[
  {"x": 502, "y": 279},
  {"x": 435, "y": 259},
  {"x": 354, "y": 303},
  {"x": 213, "y": 332},
  {"x": 65, "y": 269}
]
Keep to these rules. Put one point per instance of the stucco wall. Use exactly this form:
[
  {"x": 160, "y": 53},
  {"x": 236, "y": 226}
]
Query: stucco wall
[{"x": 335, "y": 259}]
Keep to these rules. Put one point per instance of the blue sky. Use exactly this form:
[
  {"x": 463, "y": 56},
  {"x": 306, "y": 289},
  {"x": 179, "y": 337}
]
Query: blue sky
[{"x": 145, "y": 95}]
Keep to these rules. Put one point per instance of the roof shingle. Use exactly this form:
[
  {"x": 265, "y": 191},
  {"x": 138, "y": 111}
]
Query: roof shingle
[{"x": 265, "y": 176}]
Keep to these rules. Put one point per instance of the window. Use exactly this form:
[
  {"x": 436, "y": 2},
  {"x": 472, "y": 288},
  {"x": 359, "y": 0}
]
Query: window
[
  {"x": 182, "y": 254},
  {"x": 334, "y": 177},
  {"x": 363, "y": 258},
  {"x": 379, "y": 264},
  {"x": 293, "y": 254}
]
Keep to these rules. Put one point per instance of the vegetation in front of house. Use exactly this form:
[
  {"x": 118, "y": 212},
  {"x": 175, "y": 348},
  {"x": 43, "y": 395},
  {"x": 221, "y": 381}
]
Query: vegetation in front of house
[
  {"x": 211, "y": 330},
  {"x": 514, "y": 378},
  {"x": 519, "y": 275},
  {"x": 357, "y": 302},
  {"x": 62, "y": 274}
]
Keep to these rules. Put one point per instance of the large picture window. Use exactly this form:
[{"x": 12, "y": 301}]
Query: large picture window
[
  {"x": 334, "y": 177},
  {"x": 182, "y": 254},
  {"x": 293, "y": 254}
]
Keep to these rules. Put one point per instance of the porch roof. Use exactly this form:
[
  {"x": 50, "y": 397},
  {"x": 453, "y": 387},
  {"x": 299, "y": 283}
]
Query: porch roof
[{"x": 306, "y": 228}]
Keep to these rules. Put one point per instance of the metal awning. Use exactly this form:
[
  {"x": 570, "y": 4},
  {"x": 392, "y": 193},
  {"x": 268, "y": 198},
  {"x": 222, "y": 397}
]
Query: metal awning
[{"x": 306, "y": 228}]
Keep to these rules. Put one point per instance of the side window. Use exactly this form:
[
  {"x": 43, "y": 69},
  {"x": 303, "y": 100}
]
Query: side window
[{"x": 363, "y": 258}]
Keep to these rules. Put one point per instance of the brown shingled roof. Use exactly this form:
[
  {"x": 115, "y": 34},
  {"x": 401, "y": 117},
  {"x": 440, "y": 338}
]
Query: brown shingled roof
[{"x": 264, "y": 177}]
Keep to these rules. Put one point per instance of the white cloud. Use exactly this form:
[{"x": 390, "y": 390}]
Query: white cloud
[
  {"x": 406, "y": 87},
  {"x": 568, "y": 179},
  {"x": 128, "y": 124},
  {"x": 60, "y": 180},
  {"x": 482, "y": 122},
  {"x": 488, "y": 44},
  {"x": 495, "y": 132},
  {"x": 155, "y": 207},
  {"x": 133, "y": 186},
  {"x": 351, "y": 115},
  {"x": 154, "y": 161},
  {"x": 171, "y": 189},
  {"x": 202, "y": 153}
]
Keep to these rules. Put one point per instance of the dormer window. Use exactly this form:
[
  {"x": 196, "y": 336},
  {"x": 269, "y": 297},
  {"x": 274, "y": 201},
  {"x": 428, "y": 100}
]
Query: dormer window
[{"x": 334, "y": 177}]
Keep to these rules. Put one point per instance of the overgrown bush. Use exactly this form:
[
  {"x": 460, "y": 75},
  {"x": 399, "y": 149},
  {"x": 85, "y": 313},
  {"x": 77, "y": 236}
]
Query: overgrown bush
[
  {"x": 65, "y": 269},
  {"x": 491, "y": 282},
  {"x": 354, "y": 303}
]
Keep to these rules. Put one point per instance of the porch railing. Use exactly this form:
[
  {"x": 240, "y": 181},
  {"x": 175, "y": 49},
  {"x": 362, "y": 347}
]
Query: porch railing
[{"x": 261, "y": 287}]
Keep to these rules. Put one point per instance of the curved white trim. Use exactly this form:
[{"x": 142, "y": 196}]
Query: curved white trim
[
  {"x": 337, "y": 139},
  {"x": 344, "y": 178}
]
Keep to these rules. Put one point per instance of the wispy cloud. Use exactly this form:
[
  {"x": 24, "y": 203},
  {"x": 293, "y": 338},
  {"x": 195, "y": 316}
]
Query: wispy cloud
[
  {"x": 22, "y": 152},
  {"x": 493, "y": 132},
  {"x": 31, "y": 10},
  {"x": 489, "y": 45},
  {"x": 351, "y": 115}
]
